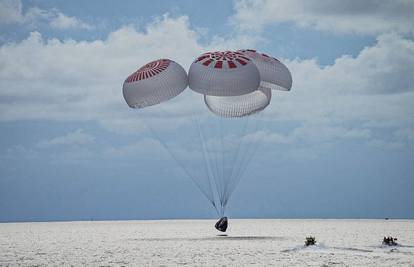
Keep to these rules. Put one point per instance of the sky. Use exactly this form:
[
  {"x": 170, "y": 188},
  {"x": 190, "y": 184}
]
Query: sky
[{"x": 340, "y": 144}]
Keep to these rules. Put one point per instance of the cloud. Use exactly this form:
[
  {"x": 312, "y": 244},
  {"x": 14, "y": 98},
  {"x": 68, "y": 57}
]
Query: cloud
[
  {"x": 11, "y": 13},
  {"x": 19, "y": 152},
  {"x": 63, "y": 22},
  {"x": 400, "y": 139},
  {"x": 376, "y": 85},
  {"x": 145, "y": 147},
  {"x": 362, "y": 17},
  {"x": 385, "y": 144},
  {"x": 82, "y": 80},
  {"x": 307, "y": 141},
  {"x": 268, "y": 137},
  {"x": 310, "y": 133},
  {"x": 77, "y": 137},
  {"x": 356, "y": 99},
  {"x": 405, "y": 135},
  {"x": 352, "y": 99}
]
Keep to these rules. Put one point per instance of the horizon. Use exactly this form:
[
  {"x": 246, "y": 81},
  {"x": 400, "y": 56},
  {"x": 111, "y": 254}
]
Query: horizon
[{"x": 213, "y": 219}]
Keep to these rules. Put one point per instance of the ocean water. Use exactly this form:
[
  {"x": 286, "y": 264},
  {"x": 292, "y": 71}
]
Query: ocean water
[{"x": 196, "y": 242}]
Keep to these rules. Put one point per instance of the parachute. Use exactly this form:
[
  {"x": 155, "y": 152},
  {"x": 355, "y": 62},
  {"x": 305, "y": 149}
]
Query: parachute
[
  {"x": 223, "y": 74},
  {"x": 239, "y": 106},
  {"x": 155, "y": 82},
  {"x": 235, "y": 88},
  {"x": 273, "y": 73}
]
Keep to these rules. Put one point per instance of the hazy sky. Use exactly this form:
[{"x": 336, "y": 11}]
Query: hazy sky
[{"x": 339, "y": 145}]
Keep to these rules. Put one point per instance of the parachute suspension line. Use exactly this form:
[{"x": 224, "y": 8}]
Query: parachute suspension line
[
  {"x": 235, "y": 158},
  {"x": 251, "y": 151},
  {"x": 223, "y": 164},
  {"x": 215, "y": 156},
  {"x": 247, "y": 156},
  {"x": 206, "y": 161},
  {"x": 229, "y": 149},
  {"x": 213, "y": 163},
  {"x": 240, "y": 165},
  {"x": 244, "y": 168},
  {"x": 166, "y": 147}
]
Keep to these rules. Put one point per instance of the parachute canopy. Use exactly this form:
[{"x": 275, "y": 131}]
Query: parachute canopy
[
  {"x": 153, "y": 83},
  {"x": 223, "y": 74},
  {"x": 239, "y": 106},
  {"x": 273, "y": 73}
]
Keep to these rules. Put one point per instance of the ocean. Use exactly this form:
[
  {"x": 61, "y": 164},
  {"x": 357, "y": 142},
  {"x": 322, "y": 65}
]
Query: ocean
[{"x": 197, "y": 242}]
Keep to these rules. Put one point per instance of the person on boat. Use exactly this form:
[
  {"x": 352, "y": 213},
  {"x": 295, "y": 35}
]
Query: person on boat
[{"x": 390, "y": 241}]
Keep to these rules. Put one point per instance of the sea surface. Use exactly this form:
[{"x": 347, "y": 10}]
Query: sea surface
[{"x": 196, "y": 242}]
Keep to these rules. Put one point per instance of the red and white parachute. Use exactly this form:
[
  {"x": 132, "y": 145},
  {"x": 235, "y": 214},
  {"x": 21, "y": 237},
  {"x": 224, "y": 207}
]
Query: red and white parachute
[
  {"x": 153, "y": 83},
  {"x": 234, "y": 86}
]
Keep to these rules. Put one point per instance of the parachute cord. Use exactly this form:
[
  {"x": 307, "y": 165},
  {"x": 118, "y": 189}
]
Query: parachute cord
[
  {"x": 206, "y": 161},
  {"x": 250, "y": 152},
  {"x": 246, "y": 161},
  {"x": 240, "y": 165},
  {"x": 210, "y": 199},
  {"x": 215, "y": 156},
  {"x": 213, "y": 163},
  {"x": 244, "y": 168},
  {"x": 228, "y": 151},
  {"x": 236, "y": 157},
  {"x": 202, "y": 144},
  {"x": 223, "y": 160}
]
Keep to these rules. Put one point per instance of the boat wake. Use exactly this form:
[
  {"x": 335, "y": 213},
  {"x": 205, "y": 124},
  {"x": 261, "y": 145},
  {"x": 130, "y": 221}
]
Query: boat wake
[{"x": 323, "y": 248}]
